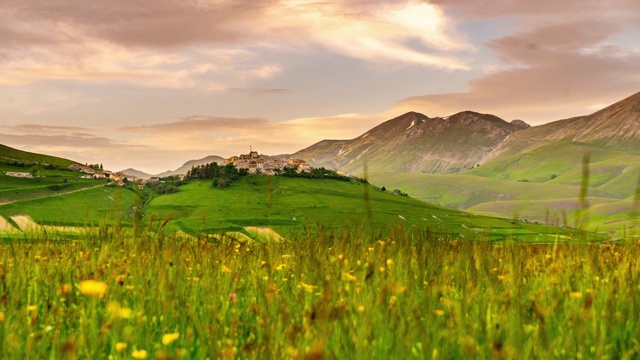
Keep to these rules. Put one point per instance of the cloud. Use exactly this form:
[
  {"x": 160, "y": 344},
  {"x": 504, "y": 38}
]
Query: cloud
[
  {"x": 31, "y": 129},
  {"x": 173, "y": 43},
  {"x": 550, "y": 69},
  {"x": 196, "y": 124}
]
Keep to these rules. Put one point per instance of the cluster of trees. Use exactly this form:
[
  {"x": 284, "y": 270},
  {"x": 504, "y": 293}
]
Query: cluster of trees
[
  {"x": 220, "y": 176},
  {"x": 166, "y": 185},
  {"x": 319, "y": 173}
]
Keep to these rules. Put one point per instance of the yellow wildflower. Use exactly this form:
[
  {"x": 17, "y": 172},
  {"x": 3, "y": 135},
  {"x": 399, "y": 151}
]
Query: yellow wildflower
[
  {"x": 225, "y": 269},
  {"x": 93, "y": 287},
  {"x": 169, "y": 338},
  {"x": 120, "y": 346},
  {"x": 1, "y": 316},
  {"x": 139, "y": 354},
  {"x": 575, "y": 295},
  {"x": 32, "y": 307},
  {"x": 63, "y": 289},
  {"x": 389, "y": 262},
  {"x": 348, "y": 276},
  {"x": 360, "y": 308},
  {"x": 120, "y": 312},
  {"x": 438, "y": 312}
]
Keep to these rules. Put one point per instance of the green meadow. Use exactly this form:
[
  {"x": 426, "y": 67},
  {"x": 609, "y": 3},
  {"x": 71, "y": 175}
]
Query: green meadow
[
  {"x": 295, "y": 205},
  {"x": 543, "y": 185},
  {"x": 150, "y": 295}
]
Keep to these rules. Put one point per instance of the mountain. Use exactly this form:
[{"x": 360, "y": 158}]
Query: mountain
[
  {"x": 415, "y": 143},
  {"x": 616, "y": 126},
  {"x": 191, "y": 163},
  {"x": 137, "y": 173},
  {"x": 10, "y": 154}
]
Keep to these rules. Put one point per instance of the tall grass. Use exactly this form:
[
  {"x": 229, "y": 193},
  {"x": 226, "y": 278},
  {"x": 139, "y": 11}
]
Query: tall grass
[{"x": 326, "y": 295}]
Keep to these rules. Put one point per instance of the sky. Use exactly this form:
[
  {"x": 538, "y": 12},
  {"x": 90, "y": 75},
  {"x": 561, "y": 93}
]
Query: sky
[{"x": 153, "y": 84}]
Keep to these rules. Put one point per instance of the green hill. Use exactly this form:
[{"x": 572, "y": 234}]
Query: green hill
[
  {"x": 9, "y": 155},
  {"x": 289, "y": 205},
  {"x": 90, "y": 206}
]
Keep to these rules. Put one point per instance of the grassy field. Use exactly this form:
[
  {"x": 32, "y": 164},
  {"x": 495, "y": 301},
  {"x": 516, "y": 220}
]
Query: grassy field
[
  {"x": 330, "y": 295},
  {"x": 291, "y": 206},
  {"x": 20, "y": 189},
  {"x": 87, "y": 207}
]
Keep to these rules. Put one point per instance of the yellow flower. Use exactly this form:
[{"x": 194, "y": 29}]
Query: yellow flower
[
  {"x": 93, "y": 287},
  {"x": 120, "y": 346},
  {"x": 575, "y": 295},
  {"x": 32, "y": 307},
  {"x": 120, "y": 312},
  {"x": 1, "y": 316},
  {"x": 348, "y": 276},
  {"x": 360, "y": 308},
  {"x": 225, "y": 269},
  {"x": 169, "y": 338},
  {"x": 438, "y": 312},
  {"x": 63, "y": 289},
  {"x": 389, "y": 262},
  {"x": 139, "y": 354}
]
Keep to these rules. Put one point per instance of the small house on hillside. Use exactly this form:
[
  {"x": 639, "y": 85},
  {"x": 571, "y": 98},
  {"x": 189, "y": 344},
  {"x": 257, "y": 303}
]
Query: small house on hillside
[
  {"x": 87, "y": 170},
  {"x": 99, "y": 176},
  {"x": 74, "y": 167}
]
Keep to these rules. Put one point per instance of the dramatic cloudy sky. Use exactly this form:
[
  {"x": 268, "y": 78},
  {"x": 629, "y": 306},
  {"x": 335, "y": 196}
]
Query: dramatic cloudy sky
[{"x": 153, "y": 83}]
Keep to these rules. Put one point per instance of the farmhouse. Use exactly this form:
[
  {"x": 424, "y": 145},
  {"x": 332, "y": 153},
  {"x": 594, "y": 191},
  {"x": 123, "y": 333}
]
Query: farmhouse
[
  {"x": 87, "y": 170},
  {"x": 75, "y": 167},
  {"x": 99, "y": 176}
]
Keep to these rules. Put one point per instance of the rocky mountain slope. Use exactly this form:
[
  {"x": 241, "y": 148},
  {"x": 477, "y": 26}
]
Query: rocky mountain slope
[{"x": 415, "y": 143}]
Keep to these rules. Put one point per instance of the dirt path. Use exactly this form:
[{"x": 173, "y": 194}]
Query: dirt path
[{"x": 54, "y": 195}]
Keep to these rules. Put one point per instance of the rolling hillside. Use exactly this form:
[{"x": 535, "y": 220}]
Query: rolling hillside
[
  {"x": 9, "y": 155},
  {"x": 290, "y": 205}
]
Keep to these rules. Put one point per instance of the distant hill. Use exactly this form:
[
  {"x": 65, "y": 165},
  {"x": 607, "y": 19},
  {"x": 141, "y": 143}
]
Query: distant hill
[
  {"x": 191, "y": 163},
  {"x": 415, "y": 143},
  {"x": 137, "y": 173},
  {"x": 9, "y": 154},
  {"x": 181, "y": 170}
]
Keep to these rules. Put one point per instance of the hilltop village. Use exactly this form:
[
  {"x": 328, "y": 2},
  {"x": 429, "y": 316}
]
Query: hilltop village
[{"x": 264, "y": 164}]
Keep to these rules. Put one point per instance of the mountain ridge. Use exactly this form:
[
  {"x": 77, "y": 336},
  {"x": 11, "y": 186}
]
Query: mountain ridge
[{"x": 416, "y": 143}]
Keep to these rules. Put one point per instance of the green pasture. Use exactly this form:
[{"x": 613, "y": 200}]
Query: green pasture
[
  {"x": 87, "y": 207},
  {"x": 298, "y": 205}
]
